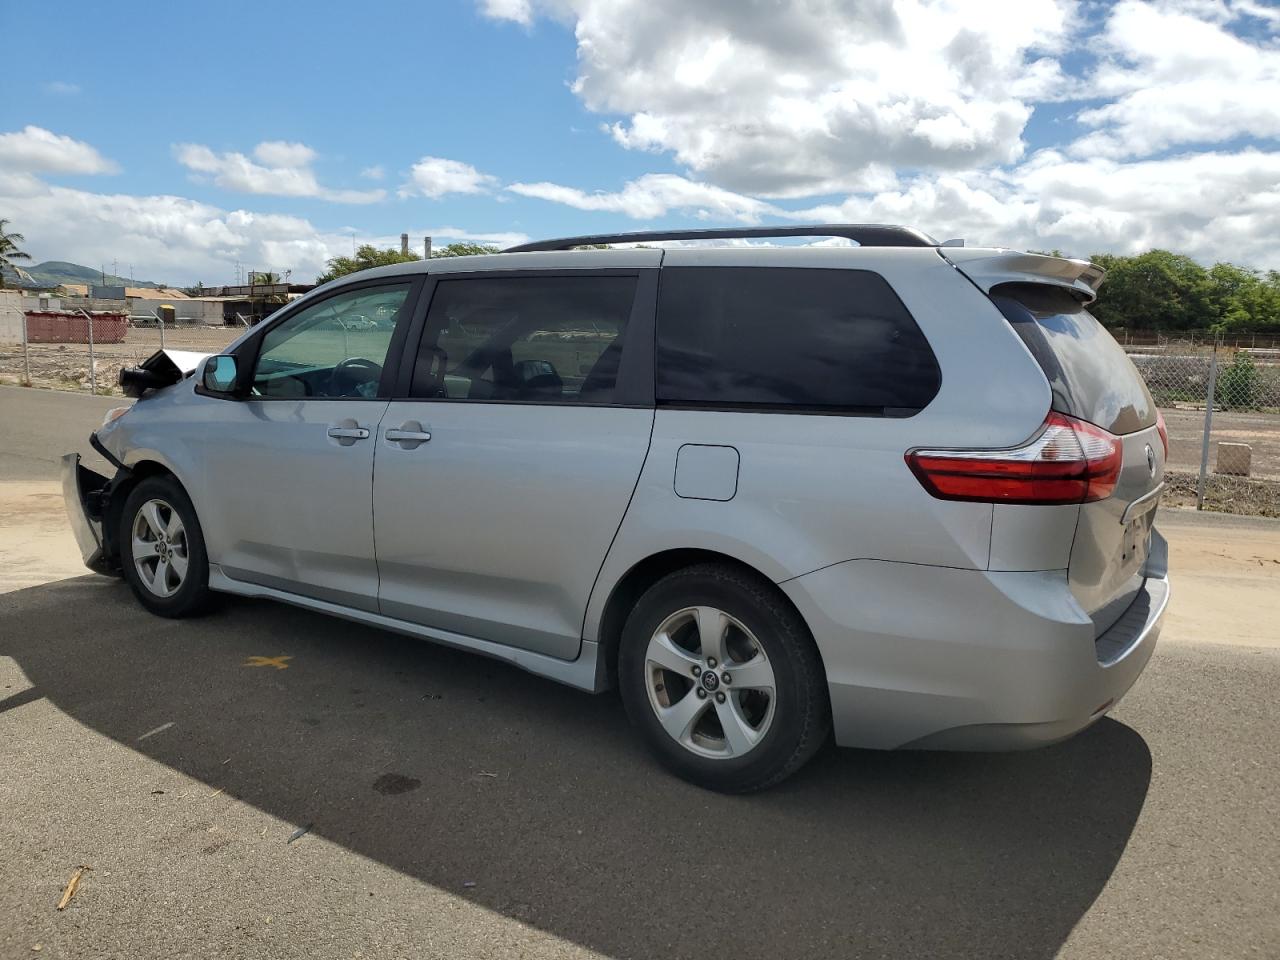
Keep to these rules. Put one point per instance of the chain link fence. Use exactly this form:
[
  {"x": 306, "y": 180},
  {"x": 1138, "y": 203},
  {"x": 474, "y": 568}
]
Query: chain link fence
[
  {"x": 1222, "y": 406},
  {"x": 85, "y": 350}
]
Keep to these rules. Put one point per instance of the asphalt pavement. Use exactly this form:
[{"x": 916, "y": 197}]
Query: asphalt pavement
[{"x": 267, "y": 782}]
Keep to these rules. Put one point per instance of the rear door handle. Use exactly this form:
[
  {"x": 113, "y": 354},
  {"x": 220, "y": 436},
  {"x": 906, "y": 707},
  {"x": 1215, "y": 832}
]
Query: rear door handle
[{"x": 408, "y": 435}]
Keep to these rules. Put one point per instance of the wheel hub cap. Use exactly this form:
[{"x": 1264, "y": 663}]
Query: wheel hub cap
[
  {"x": 687, "y": 663},
  {"x": 159, "y": 542}
]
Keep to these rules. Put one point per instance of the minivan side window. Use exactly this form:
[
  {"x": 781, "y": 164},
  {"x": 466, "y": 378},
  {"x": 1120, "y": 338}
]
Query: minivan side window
[
  {"x": 524, "y": 339},
  {"x": 334, "y": 348},
  {"x": 821, "y": 340}
]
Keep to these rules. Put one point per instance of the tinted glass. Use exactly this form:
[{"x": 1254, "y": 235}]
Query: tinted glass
[
  {"x": 1089, "y": 373},
  {"x": 825, "y": 340},
  {"x": 524, "y": 339},
  {"x": 334, "y": 348}
]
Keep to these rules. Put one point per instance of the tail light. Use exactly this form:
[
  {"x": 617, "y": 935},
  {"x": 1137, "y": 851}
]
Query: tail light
[
  {"x": 1163, "y": 429},
  {"x": 1067, "y": 461}
]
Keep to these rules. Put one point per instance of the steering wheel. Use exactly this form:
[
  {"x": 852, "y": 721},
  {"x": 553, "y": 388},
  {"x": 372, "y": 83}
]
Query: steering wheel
[{"x": 355, "y": 371}]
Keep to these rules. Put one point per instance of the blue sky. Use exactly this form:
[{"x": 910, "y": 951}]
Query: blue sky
[{"x": 184, "y": 138}]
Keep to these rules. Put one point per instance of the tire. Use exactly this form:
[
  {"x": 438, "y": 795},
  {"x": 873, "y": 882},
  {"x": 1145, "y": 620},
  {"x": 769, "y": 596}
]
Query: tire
[
  {"x": 183, "y": 591},
  {"x": 776, "y": 716}
]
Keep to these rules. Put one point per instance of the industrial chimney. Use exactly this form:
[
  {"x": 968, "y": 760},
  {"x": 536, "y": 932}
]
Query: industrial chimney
[
  {"x": 404, "y": 244},
  {"x": 426, "y": 248}
]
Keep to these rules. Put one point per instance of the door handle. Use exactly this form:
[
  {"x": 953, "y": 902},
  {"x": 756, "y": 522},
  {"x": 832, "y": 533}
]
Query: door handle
[
  {"x": 409, "y": 435},
  {"x": 347, "y": 432}
]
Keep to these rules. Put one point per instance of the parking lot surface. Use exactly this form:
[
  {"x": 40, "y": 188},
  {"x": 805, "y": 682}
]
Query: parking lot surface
[{"x": 269, "y": 782}]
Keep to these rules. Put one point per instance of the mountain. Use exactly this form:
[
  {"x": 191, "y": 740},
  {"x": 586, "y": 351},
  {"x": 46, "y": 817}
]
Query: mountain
[{"x": 51, "y": 273}]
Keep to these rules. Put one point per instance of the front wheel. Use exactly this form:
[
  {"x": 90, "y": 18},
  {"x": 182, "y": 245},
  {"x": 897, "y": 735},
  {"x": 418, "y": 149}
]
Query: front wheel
[
  {"x": 722, "y": 679},
  {"x": 162, "y": 549}
]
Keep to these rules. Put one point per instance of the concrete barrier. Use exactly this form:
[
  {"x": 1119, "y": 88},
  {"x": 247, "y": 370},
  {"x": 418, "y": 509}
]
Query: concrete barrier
[{"x": 1234, "y": 459}]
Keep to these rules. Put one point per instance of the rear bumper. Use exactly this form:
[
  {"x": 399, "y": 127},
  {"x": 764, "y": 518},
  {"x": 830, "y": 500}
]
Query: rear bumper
[
  {"x": 78, "y": 485},
  {"x": 939, "y": 658}
]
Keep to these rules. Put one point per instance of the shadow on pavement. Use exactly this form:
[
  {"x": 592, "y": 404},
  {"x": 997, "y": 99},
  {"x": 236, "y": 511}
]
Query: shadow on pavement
[{"x": 388, "y": 744}]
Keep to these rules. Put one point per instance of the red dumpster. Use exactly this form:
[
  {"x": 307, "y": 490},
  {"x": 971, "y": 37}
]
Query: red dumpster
[{"x": 65, "y": 326}]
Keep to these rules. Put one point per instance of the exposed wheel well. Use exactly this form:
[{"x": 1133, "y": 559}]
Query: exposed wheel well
[{"x": 643, "y": 576}]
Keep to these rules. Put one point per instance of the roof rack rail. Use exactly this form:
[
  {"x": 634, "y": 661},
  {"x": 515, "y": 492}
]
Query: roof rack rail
[{"x": 864, "y": 234}]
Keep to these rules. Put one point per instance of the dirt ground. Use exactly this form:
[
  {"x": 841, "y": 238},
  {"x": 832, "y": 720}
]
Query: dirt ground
[{"x": 65, "y": 366}]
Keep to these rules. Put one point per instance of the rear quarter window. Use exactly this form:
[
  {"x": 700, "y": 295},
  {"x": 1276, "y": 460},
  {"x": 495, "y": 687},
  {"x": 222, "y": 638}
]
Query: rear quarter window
[
  {"x": 1091, "y": 376},
  {"x": 821, "y": 340}
]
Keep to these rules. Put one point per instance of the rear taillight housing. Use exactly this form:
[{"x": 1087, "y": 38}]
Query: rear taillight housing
[
  {"x": 1163, "y": 429},
  {"x": 1067, "y": 461}
]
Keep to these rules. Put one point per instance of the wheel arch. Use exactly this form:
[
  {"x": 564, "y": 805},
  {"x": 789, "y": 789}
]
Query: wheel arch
[
  {"x": 121, "y": 486},
  {"x": 643, "y": 575}
]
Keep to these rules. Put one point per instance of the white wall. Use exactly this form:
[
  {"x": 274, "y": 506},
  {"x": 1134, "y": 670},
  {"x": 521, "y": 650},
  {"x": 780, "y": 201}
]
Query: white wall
[
  {"x": 11, "y": 316},
  {"x": 187, "y": 311}
]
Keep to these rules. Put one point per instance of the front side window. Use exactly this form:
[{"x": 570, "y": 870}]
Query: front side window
[
  {"x": 828, "y": 341},
  {"x": 335, "y": 348},
  {"x": 524, "y": 339}
]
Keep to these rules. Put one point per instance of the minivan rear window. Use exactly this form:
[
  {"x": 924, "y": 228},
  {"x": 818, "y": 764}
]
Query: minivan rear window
[
  {"x": 1089, "y": 373},
  {"x": 821, "y": 340}
]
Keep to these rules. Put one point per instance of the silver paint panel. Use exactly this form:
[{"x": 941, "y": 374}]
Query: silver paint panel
[
  {"x": 497, "y": 527},
  {"x": 293, "y": 505}
]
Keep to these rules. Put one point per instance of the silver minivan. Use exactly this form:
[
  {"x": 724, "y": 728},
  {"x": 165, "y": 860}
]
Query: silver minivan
[{"x": 897, "y": 492}]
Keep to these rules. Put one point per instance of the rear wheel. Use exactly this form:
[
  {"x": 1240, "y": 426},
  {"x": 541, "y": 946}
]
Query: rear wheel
[
  {"x": 722, "y": 679},
  {"x": 162, "y": 549}
]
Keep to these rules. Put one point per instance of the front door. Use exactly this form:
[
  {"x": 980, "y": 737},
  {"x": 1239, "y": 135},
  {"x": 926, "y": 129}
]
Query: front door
[
  {"x": 289, "y": 469},
  {"x": 500, "y": 484}
]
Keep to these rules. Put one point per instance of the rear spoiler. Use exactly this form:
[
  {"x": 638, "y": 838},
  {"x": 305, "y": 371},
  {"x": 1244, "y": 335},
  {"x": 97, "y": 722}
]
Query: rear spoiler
[
  {"x": 989, "y": 267},
  {"x": 162, "y": 368}
]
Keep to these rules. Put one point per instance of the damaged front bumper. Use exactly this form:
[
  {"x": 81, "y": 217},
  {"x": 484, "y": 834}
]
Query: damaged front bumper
[{"x": 85, "y": 494}]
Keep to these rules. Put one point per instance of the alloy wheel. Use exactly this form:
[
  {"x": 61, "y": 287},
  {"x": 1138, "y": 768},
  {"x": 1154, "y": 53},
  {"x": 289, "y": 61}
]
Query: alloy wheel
[
  {"x": 159, "y": 544},
  {"x": 710, "y": 683}
]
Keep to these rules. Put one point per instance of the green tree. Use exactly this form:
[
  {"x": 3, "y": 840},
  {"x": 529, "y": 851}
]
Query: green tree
[
  {"x": 366, "y": 257},
  {"x": 9, "y": 251},
  {"x": 463, "y": 250},
  {"x": 1154, "y": 290}
]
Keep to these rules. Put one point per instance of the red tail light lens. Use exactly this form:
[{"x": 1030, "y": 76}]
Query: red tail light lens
[
  {"x": 1068, "y": 461},
  {"x": 1163, "y": 429}
]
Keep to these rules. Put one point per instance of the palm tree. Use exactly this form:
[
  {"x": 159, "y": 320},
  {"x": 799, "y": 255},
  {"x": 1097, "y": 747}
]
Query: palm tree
[{"x": 9, "y": 250}]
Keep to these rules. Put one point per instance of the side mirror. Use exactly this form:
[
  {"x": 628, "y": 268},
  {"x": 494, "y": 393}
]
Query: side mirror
[{"x": 220, "y": 374}]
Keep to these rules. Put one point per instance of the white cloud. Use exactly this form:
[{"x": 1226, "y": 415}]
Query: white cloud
[
  {"x": 36, "y": 150},
  {"x": 376, "y": 172},
  {"x": 518, "y": 11},
  {"x": 803, "y": 103},
  {"x": 435, "y": 177},
  {"x": 448, "y": 234},
  {"x": 655, "y": 195},
  {"x": 281, "y": 153},
  {"x": 166, "y": 238},
  {"x": 1174, "y": 78},
  {"x": 281, "y": 169},
  {"x": 1211, "y": 206},
  {"x": 63, "y": 88}
]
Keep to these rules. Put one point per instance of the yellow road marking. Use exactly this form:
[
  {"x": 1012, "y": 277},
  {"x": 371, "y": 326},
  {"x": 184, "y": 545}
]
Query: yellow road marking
[{"x": 277, "y": 662}]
